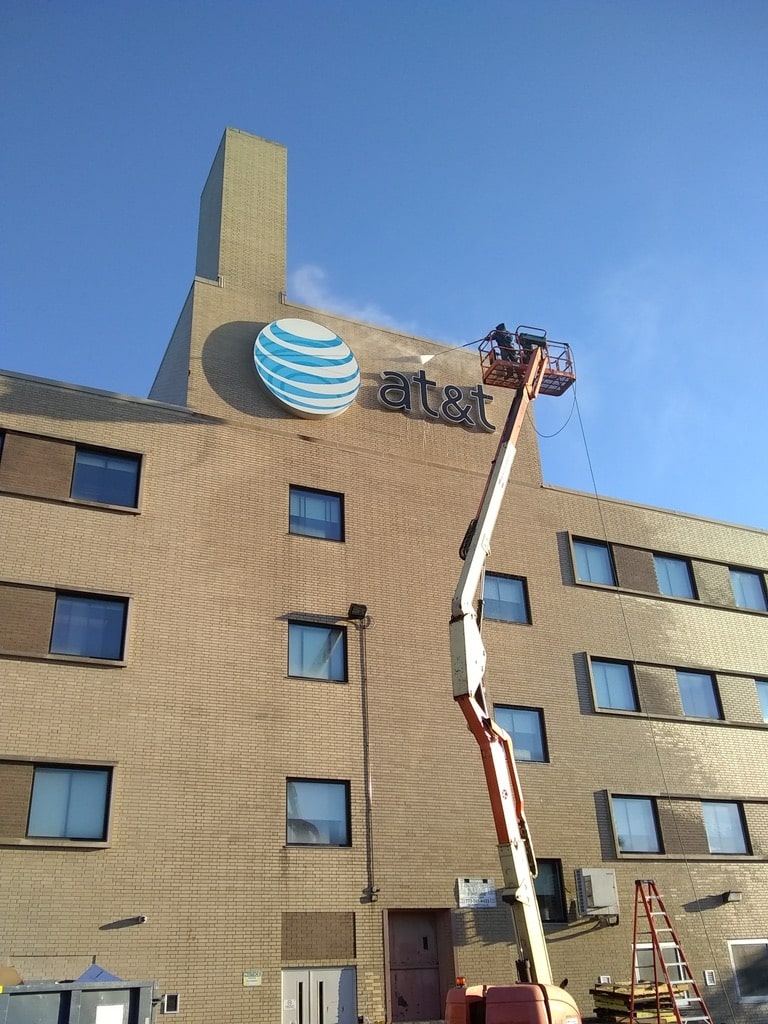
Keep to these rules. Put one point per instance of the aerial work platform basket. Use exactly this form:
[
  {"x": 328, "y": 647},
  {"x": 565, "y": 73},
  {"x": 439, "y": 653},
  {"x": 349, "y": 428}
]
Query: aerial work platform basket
[{"x": 505, "y": 355}]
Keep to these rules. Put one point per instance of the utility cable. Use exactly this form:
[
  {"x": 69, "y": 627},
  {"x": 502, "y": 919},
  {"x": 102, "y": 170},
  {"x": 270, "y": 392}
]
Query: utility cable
[{"x": 560, "y": 429}]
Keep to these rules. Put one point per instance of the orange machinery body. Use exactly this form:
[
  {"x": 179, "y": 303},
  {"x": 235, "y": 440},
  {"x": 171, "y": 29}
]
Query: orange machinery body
[{"x": 510, "y": 1004}]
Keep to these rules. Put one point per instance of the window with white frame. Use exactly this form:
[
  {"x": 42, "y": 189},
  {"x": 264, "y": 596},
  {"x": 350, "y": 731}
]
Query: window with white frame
[
  {"x": 724, "y": 825},
  {"x": 526, "y": 728},
  {"x": 673, "y": 961},
  {"x": 317, "y": 652},
  {"x": 110, "y": 478},
  {"x": 750, "y": 968},
  {"x": 317, "y": 812},
  {"x": 69, "y": 803},
  {"x": 762, "y": 696},
  {"x": 636, "y": 823},
  {"x": 698, "y": 694},
  {"x": 593, "y": 562},
  {"x": 89, "y": 626},
  {"x": 315, "y": 513},
  {"x": 505, "y": 598},
  {"x": 748, "y": 589},
  {"x": 674, "y": 576},
  {"x": 614, "y": 685}
]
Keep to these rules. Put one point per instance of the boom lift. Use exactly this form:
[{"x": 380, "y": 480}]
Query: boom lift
[{"x": 526, "y": 361}]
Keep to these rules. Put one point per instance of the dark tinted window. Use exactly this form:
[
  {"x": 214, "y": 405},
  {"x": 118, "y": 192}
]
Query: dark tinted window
[{"x": 106, "y": 477}]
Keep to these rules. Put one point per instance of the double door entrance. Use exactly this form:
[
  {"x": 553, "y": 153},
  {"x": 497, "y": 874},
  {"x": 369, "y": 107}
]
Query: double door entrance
[{"x": 319, "y": 995}]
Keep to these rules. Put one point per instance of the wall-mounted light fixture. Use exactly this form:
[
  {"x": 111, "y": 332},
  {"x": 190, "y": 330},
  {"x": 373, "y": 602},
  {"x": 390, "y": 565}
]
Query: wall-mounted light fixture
[
  {"x": 357, "y": 612},
  {"x": 732, "y": 896}
]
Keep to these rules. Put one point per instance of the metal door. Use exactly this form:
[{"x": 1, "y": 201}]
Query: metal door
[
  {"x": 414, "y": 966},
  {"x": 319, "y": 995}
]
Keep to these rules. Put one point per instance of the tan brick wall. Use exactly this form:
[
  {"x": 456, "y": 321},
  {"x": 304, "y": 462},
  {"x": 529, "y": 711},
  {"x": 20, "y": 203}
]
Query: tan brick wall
[
  {"x": 172, "y": 379},
  {"x": 204, "y": 724}
]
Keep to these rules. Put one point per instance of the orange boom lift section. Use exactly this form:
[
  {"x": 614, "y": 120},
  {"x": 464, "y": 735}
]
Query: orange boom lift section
[{"x": 525, "y": 361}]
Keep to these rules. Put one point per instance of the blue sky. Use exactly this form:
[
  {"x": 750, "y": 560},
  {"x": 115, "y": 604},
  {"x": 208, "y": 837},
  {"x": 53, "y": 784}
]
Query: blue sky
[{"x": 594, "y": 168}]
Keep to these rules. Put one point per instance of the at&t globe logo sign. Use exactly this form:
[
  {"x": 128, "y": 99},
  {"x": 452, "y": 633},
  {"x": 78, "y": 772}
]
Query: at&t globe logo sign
[{"x": 307, "y": 368}]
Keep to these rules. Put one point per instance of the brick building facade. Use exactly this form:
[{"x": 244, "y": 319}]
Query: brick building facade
[{"x": 195, "y": 732}]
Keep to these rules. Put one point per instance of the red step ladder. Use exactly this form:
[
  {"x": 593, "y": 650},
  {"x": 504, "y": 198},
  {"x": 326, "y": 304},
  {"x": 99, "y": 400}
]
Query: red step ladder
[{"x": 653, "y": 927}]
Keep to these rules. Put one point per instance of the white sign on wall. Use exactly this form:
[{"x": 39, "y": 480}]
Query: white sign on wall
[{"x": 477, "y": 893}]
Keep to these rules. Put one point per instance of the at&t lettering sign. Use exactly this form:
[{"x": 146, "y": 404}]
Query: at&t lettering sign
[
  {"x": 314, "y": 374},
  {"x": 450, "y": 403}
]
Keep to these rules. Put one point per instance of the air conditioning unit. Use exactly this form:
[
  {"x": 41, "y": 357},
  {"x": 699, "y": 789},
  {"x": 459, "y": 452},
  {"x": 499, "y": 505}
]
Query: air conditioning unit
[{"x": 596, "y": 893}]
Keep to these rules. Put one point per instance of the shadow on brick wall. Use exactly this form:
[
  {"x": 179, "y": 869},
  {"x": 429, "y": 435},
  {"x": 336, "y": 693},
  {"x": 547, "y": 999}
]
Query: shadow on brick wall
[
  {"x": 566, "y": 562},
  {"x": 604, "y": 825}
]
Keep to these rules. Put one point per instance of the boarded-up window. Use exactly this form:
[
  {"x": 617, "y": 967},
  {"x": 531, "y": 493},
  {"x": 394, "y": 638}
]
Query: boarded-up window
[
  {"x": 713, "y": 583},
  {"x": 26, "y": 614},
  {"x": 38, "y": 466},
  {"x": 682, "y": 826},
  {"x": 15, "y": 788},
  {"x": 659, "y": 693},
  {"x": 316, "y": 936},
  {"x": 635, "y": 569}
]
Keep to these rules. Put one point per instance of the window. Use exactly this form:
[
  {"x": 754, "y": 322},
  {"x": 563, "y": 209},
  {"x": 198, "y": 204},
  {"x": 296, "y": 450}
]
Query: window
[
  {"x": 614, "y": 685},
  {"x": 593, "y": 562},
  {"x": 106, "y": 477},
  {"x": 317, "y": 652},
  {"x": 317, "y": 813},
  {"x": 725, "y": 827},
  {"x": 504, "y": 598},
  {"x": 674, "y": 576},
  {"x": 762, "y": 696},
  {"x": 549, "y": 891},
  {"x": 637, "y": 827},
  {"x": 748, "y": 589},
  {"x": 526, "y": 727},
  {"x": 69, "y": 803},
  {"x": 673, "y": 961},
  {"x": 698, "y": 694},
  {"x": 750, "y": 967},
  {"x": 316, "y": 513},
  {"x": 89, "y": 627}
]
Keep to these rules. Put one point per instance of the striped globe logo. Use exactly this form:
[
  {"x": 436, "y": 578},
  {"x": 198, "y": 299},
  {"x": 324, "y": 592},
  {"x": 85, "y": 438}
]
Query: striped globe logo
[{"x": 307, "y": 368}]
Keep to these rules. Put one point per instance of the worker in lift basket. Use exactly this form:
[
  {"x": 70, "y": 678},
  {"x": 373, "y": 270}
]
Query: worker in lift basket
[{"x": 501, "y": 337}]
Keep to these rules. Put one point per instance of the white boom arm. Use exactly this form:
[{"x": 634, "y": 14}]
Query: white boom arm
[{"x": 518, "y": 863}]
